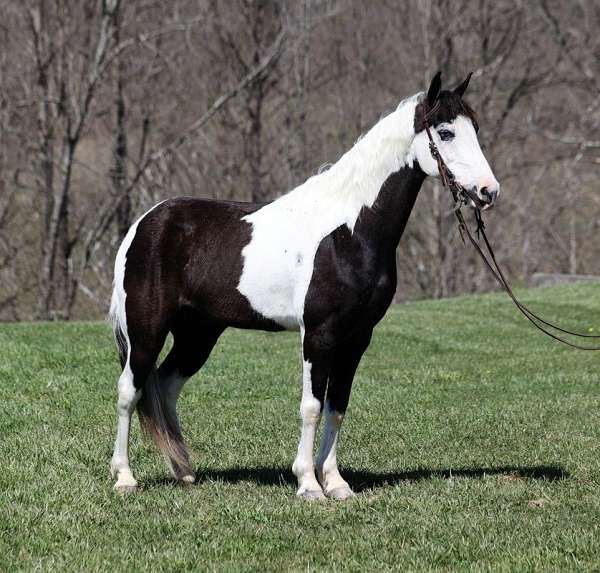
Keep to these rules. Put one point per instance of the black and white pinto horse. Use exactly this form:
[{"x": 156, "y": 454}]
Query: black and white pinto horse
[{"x": 320, "y": 260}]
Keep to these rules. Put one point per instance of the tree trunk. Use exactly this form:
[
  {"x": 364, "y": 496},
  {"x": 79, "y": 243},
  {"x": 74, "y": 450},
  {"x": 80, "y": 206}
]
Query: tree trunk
[
  {"x": 119, "y": 170},
  {"x": 58, "y": 242}
]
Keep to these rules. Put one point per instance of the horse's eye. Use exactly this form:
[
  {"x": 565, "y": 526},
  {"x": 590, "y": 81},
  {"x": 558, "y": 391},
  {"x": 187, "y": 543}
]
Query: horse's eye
[{"x": 445, "y": 135}]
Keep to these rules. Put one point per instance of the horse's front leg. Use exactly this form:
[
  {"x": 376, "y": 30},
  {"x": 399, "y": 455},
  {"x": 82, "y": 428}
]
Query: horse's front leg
[
  {"x": 341, "y": 374},
  {"x": 314, "y": 382}
]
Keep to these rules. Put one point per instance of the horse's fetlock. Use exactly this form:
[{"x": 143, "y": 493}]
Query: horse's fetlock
[{"x": 301, "y": 468}]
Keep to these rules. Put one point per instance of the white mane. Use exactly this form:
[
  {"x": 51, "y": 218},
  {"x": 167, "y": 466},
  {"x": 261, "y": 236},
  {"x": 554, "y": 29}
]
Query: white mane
[{"x": 355, "y": 180}]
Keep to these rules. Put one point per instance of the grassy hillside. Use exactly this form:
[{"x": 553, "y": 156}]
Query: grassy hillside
[{"x": 473, "y": 441}]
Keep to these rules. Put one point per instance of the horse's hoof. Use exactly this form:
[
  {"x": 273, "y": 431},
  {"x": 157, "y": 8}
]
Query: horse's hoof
[
  {"x": 314, "y": 495},
  {"x": 126, "y": 482},
  {"x": 341, "y": 493},
  {"x": 189, "y": 479},
  {"x": 125, "y": 488}
]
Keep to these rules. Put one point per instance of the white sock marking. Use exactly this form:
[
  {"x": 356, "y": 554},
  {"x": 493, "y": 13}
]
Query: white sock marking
[
  {"x": 327, "y": 468},
  {"x": 310, "y": 411},
  {"x": 128, "y": 398}
]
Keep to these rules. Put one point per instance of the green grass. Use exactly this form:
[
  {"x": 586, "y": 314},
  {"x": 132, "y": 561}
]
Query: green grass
[{"x": 473, "y": 441}]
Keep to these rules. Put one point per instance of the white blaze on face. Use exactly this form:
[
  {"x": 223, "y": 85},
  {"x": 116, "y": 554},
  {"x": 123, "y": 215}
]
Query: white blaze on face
[{"x": 459, "y": 147}]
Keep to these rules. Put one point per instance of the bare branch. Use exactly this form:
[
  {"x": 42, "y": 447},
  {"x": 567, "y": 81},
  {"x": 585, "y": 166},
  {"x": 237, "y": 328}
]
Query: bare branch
[{"x": 106, "y": 214}]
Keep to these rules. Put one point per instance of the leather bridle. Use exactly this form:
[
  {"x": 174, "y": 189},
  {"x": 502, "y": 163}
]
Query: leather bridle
[{"x": 462, "y": 197}]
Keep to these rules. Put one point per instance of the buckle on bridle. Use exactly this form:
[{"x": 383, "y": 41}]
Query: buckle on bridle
[{"x": 434, "y": 150}]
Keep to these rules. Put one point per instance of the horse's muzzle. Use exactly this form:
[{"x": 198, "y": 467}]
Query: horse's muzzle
[
  {"x": 488, "y": 197},
  {"x": 483, "y": 198}
]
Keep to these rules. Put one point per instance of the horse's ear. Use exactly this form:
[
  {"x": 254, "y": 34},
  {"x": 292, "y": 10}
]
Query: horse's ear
[
  {"x": 462, "y": 88},
  {"x": 434, "y": 89}
]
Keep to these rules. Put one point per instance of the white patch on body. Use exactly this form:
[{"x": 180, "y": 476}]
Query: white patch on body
[{"x": 279, "y": 259}]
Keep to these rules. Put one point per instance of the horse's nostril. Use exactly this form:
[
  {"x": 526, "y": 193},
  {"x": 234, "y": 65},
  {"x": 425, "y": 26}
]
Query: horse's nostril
[{"x": 488, "y": 195}]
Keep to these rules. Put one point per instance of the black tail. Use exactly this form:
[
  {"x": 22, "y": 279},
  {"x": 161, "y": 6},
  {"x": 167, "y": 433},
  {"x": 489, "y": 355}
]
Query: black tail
[
  {"x": 122, "y": 346},
  {"x": 158, "y": 421}
]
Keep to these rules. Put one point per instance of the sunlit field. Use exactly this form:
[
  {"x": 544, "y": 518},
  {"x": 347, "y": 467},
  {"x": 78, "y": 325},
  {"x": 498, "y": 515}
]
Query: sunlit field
[{"x": 472, "y": 441}]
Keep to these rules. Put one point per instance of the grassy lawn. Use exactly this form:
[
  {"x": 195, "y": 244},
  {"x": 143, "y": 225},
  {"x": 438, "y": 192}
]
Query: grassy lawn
[{"x": 473, "y": 441}]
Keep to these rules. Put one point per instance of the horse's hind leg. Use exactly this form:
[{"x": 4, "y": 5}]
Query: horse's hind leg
[
  {"x": 127, "y": 399},
  {"x": 190, "y": 351},
  {"x": 138, "y": 367}
]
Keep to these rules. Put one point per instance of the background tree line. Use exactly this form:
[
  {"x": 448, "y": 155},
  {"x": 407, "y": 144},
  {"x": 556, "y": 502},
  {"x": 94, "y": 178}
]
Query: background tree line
[{"x": 107, "y": 106}]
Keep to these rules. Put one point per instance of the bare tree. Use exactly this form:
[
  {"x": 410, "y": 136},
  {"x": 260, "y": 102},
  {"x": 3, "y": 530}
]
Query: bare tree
[
  {"x": 67, "y": 83},
  {"x": 107, "y": 106}
]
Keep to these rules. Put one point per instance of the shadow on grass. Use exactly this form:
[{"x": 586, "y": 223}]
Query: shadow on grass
[{"x": 361, "y": 480}]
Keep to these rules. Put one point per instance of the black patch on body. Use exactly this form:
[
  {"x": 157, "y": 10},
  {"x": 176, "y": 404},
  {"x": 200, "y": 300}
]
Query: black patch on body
[
  {"x": 186, "y": 260},
  {"x": 353, "y": 284},
  {"x": 354, "y": 276}
]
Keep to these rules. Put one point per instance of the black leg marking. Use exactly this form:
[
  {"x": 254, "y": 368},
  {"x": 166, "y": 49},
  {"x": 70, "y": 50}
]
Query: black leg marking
[{"x": 346, "y": 360}]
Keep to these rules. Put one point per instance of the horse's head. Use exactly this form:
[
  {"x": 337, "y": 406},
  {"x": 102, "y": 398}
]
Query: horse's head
[{"x": 453, "y": 126}]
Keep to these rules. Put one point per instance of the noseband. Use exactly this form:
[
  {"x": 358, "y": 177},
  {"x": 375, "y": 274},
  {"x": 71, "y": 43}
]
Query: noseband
[{"x": 462, "y": 197}]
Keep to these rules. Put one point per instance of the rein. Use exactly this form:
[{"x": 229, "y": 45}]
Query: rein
[{"x": 461, "y": 197}]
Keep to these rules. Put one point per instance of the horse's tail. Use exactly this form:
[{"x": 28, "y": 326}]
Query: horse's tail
[
  {"x": 118, "y": 329},
  {"x": 120, "y": 337},
  {"x": 156, "y": 419},
  {"x": 117, "y": 314},
  {"x": 160, "y": 423}
]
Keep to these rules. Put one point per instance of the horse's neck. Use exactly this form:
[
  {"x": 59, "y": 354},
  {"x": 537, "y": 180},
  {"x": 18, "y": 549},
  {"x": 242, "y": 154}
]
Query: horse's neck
[
  {"x": 371, "y": 188},
  {"x": 354, "y": 182},
  {"x": 384, "y": 222},
  {"x": 377, "y": 181}
]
